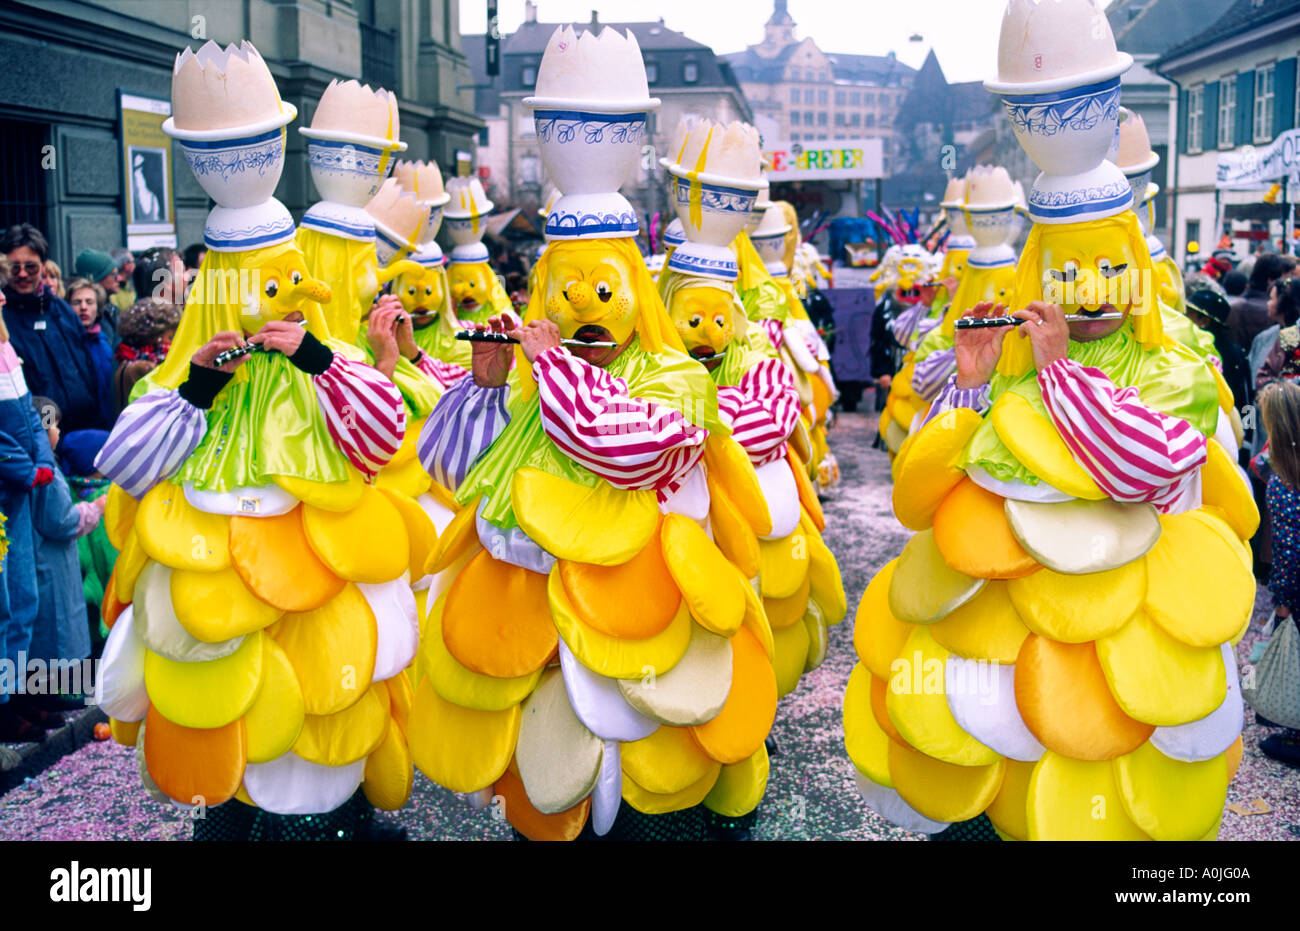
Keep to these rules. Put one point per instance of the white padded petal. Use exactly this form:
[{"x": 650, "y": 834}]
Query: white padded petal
[
  {"x": 599, "y": 703},
  {"x": 393, "y": 605},
  {"x": 290, "y": 785},
  {"x": 890, "y": 805},
  {"x": 982, "y": 698},
  {"x": 120, "y": 691},
  {"x": 782, "y": 496},
  {"x": 607, "y": 795},
  {"x": 264, "y": 501},
  {"x": 692, "y": 499},
  {"x": 1212, "y": 734}
]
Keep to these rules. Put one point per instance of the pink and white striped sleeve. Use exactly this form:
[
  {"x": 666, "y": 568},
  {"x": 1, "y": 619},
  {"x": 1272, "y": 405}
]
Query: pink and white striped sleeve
[
  {"x": 630, "y": 442},
  {"x": 762, "y": 410},
  {"x": 364, "y": 413},
  {"x": 1134, "y": 453},
  {"x": 442, "y": 373}
]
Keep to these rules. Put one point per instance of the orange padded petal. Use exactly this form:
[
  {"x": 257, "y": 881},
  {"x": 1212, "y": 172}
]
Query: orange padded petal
[
  {"x": 807, "y": 493},
  {"x": 275, "y": 561},
  {"x": 975, "y": 538},
  {"x": 785, "y": 612},
  {"x": 632, "y": 601},
  {"x": 528, "y": 821},
  {"x": 458, "y": 538},
  {"x": 1062, "y": 695},
  {"x": 193, "y": 765},
  {"x": 497, "y": 621},
  {"x": 744, "y": 721}
]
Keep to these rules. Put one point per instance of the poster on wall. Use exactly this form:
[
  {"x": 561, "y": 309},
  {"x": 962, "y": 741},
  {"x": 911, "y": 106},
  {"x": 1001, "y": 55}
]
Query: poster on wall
[{"x": 147, "y": 162}]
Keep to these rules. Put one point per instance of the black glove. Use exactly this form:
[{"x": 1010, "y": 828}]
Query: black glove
[{"x": 313, "y": 356}]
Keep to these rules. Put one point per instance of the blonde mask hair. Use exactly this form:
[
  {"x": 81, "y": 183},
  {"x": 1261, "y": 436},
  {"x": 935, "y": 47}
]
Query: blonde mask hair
[
  {"x": 1017, "y": 354},
  {"x": 672, "y": 282}
]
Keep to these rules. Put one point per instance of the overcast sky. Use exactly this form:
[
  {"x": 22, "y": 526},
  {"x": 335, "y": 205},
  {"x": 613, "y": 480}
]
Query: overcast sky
[{"x": 964, "y": 33}]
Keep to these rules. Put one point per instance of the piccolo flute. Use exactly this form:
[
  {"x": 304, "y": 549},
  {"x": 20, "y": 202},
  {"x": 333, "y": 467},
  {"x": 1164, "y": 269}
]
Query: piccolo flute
[
  {"x": 472, "y": 337},
  {"x": 238, "y": 352},
  {"x": 980, "y": 323}
]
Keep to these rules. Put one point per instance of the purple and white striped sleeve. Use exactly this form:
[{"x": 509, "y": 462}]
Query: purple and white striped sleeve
[
  {"x": 931, "y": 373},
  {"x": 464, "y": 423},
  {"x": 151, "y": 440},
  {"x": 952, "y": 397}
]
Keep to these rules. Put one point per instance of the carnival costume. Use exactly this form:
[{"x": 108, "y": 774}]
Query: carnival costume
[
  {"x": 260, "y": 608},
  {"x": 476, "y": 291},
  {"x": 1054, "y": 646},
  {"x": 586, "y": 640},
  {"x": 905, "y": 290}
]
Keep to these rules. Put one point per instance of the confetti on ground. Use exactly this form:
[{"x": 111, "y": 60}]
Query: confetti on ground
[{"x": 95, "y": 794}]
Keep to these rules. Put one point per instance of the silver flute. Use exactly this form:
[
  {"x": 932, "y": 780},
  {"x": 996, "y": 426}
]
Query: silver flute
[
  {"x": 472, "y": 337},
  {"x": 980, "y": 323},
  {"x": 238, "y": 352}
]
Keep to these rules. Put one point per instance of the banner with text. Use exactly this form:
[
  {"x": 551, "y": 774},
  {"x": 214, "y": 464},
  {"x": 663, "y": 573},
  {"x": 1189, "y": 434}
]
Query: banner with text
[
  {"x": 824, "y": 160},
  {"x": 1259, "y": 167}
]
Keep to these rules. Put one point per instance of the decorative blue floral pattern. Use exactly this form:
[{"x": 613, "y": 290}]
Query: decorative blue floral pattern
[
  {"x": 1112, "y": 197},
  {"x": 566, "y": 126},
  {"x": 252, "y": 237},
  {"x": 684, "y": 261},
  {"x": 566, "y": 225},
  {"x": 716, "y": 197},
  {"x": 235, "y": 156},
  {"x": 1078, "y": 113},
  {"x": 343, "y": 158}
]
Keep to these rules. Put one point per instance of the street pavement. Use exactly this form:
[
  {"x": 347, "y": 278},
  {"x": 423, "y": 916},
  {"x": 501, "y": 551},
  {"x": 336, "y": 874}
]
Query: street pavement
[{"x": 95, "y": 794}]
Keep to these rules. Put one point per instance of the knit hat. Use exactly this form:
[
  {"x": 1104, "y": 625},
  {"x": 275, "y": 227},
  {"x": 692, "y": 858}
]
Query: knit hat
[
  {"x": 94, "y": 265},
  {"x": 79, "y": 450}
]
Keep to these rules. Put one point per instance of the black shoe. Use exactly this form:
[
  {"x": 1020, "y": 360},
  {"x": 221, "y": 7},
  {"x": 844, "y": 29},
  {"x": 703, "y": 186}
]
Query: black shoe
[
  {"x": 14, "y": 728},
  {"x": 730, "y": 835},
  {"x": 1285, "y": 748},
  {"x": 381, "y": 828},
  {"x": 770, "y": 744}
]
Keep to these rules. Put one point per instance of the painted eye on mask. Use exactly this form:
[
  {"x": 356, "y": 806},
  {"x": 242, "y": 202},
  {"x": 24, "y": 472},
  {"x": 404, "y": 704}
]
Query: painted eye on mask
[
  {"x": 411, "y": 290},
  {"x": 604, "y": 292},
  {"x": 295, "y": 277},
  {"x": 272, "y": 288},
  {"x": 1111, "y": 271},
  {"x": 428, "y": 289},
  {"x": 719, "y": 321},
  {"x": 696, "y": 320},
  {"x": 1065, "y": 275}
]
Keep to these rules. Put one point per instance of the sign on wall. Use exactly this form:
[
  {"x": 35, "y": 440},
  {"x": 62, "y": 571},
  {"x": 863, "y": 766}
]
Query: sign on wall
[
  {"x": 824, "y": 160},
  {"x": 1253, "y": 167},
  {"x": 147, "y": 161}
]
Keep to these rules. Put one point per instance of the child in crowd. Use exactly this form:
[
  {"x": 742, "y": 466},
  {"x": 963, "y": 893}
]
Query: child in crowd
[
  {"x": 146, "y": 330},
  {"x": 1281, "y": 415},
  {"x": 97, "y": 554},
  {"x": 61, "y": 633},
  {"x": 26, "y": 463}
]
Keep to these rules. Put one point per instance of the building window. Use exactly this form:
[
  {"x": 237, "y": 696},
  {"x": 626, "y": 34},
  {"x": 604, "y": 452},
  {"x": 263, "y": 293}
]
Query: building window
[
  {"x": 823, "y": 98},
  {"x": 530, "y": 169},
  {"x": 652, "y": 71},
  {"x": 1193, "y": 232},
  {"x": 808, "y": 97},
  {"x": 839, "y": 118},
  {"x": 1227, "y": 114},
  {"x": 483, "y": 137},
  {"x": 796, "y": 74},
  {"x": 821, "y": 75},
  {"x": 821, "y": 118},
  {"x": 855, "y": 119},
  {"x": 871, "y": 120},
  {"x": 1264, "y": 104},
  {"x": 530, "y": 75},
  {"x": 794, "y": 95},
  {"x": 1195, "y": 108},
  {"x": 869, "y": 99},
  {"x": 690, "y": 72},
  {"x": 794, "y": 117},
  {"x": 855, "y": 99},
  {"x": 839, "y": 98}
]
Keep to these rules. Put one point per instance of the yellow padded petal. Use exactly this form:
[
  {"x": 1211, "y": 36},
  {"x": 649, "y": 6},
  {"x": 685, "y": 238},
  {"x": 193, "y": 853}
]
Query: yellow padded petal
[
  {"x": 878, "y": 636},
  {"x": 126, "y": 571},
  {"x": 463, "y": 686},
  {"x": 1159, "y": 680},
  {"x": 1033, "y": 440},
  {"x": 366, "y": 543},
  {"x": 179, "y": 535},
  {"x": 711, "y": 589},
  {"x": 652, "y": 803},
  {"x": 610, "y": 656},
  {"x": 274, "y": 720},
  {"x": 756, "y": 621},
  {"x": 666, "y": 761},
  {"x": 332, "y": 650},
  {"x": 1007, "y": 810},
  {"x": 119, "y": 518},
  {"x": 986, "y": 627},
  {"x": 1197, "y": 588},
  {"x": 1169, "y": 799},
  {"x": 460, "y": 748},
  {"x": 791, "y": 657},
  {"x": 739, "y": 787},
  {"x": 559, "y": 515},
  {"x": 205, "y": 695},
  {"x": 733, "y": 534},
  {"x": 939, "y": 790},
  {"x": 458, "y": 540},
  {"x": 348, "y": 735},
  {"x": 1076, "y": 800},
  {"x": 1079, "y": 608},
  {"x": 216, "y": 606},
  {"x": 867, "y": 744},
  {"x": 826, "y": 586},
  {"x": 917, "y": 703},
  {"x": 330, "y": 496},
  {"x": 728, "y": 463},
  {"x": 783, "y": 564},
  {"x": 1223, "y": 487},
  {"x": 388, "y": 774},
  {"x": 924, "y": 589},
  {"x": 927, "y": 470}
]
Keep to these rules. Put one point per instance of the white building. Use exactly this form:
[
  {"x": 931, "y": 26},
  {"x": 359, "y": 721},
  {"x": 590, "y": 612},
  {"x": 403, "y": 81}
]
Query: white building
[{"x": 1237, "y": 93}]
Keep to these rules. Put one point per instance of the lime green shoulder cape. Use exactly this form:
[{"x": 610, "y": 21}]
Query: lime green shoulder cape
[
  {"x": 766, "y": 299},
  {"x": 671, "y": 378},
  {"x": 742, "y": 355},
  {"x": 418, "y": 392},
  {"x": 1173, "y": 381}
]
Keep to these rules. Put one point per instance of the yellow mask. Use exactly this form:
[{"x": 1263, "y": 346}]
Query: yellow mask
[
  {"x": 278, "y": 289},
  {"x": 591, "y": 291},
  {"x": 471, "y": 286},
  {"x": 703, "y": 318},
  {"x": 422, "y": 294}
]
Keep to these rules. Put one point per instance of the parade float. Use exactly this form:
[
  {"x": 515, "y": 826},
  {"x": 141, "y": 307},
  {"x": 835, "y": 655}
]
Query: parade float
[
  {"x": 256, "y": 560},
  {"x": 1053, "y": 648},
  {"x": 590, "y": 655}
]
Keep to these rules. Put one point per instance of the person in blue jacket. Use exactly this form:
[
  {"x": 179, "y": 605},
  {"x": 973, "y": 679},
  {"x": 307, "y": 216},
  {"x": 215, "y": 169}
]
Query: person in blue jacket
[
  {"x": 26, "y": 463},
  {"x": 61, "y": 635},
  {"x": 48, "y": 337}
]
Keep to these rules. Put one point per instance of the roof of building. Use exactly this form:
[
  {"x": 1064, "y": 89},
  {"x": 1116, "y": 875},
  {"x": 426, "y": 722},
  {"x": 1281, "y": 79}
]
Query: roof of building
[
  {"x": 1242, "y": 16},
  {"x": 487, "y": 100},
  {"x": 859, "y": 69},
  {"x": 531, "y": 38},
  {"x": 931, "y": 98},
  {"x": 1152, "y": 27}
]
